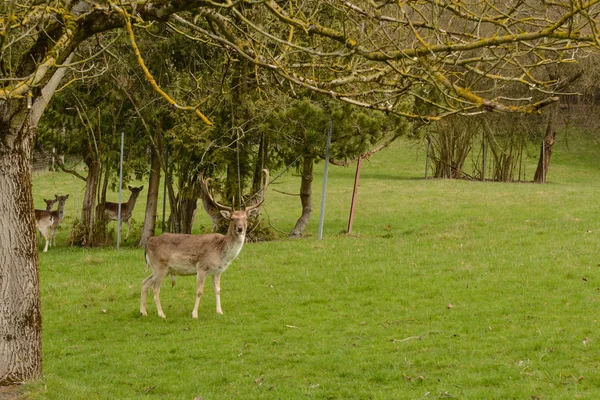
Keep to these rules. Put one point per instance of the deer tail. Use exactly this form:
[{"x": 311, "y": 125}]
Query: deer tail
[{"x": 147, "y": 260}]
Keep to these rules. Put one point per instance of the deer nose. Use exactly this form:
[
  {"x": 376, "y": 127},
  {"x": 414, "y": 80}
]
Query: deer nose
[{"x": 239, "y": 229}]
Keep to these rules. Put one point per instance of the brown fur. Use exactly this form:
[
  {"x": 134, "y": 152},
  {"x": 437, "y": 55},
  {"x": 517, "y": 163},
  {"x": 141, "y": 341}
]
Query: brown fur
[
  {"x": 200, "y": 255},
  {"x": 47, "y": 221},
  {"x": 43, "y": 222},
  {"x": 112, "y": 209}
]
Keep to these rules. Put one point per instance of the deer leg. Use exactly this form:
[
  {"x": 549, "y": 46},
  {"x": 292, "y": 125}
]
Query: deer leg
[
  {"x": 217, "y": 288},
  {"x": 45, "y": 234},
  {"x": 145, "y": 286},
  {"x": 200, "y": 277},
  {"x": 127, "y": 236},
  {"x": 156, "y": 282}
]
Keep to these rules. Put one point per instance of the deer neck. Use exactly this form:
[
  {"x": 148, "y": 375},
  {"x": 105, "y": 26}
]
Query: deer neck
[
  {"x": 61, "y": 211},
  {"x": 234, "y": 241},
  {"x": 131, "y": 202},
  {"x": 233, "y": 247}
]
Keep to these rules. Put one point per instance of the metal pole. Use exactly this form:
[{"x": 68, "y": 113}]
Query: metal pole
[
  {"x": 120, "y": 191},
  {"x": 427, "y": 159},
  {"x": 484, "y": 159},
  {"x": 544, "y": 161},
  {"x": 325, "y": 181},
  {"x": 355, "y": 193},
  {"x": 165, "y": 185}
]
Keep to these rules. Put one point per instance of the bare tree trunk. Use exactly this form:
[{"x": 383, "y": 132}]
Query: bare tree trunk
[
  {"x": 152, "y": 201},
  {"x": 550, "y": 137},
  {"x": 261, "y": 163},
  {"x": 547, "y": 146},
  {"x": 100, "y": 220},
  {"x": 187, "y": 210},
  {"x": 20, "y": 318},
  {"x": 305, "y": 197},
  {"x": 85, "y": 232}
]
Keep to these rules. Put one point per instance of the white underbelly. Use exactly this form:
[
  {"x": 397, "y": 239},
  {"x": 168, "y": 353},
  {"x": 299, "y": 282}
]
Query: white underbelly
[{"x": 182, "y": 270}]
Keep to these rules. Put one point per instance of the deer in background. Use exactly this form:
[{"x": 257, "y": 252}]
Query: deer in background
[
  {"x": 59, "y": 215},
  {"x": 43, "y": 222},
  {"x": 47, "y": 221},
  {"x": 200, "y": 255},
  {"x": 112, "y": 209},
  {"x": 50, "y": 203}
]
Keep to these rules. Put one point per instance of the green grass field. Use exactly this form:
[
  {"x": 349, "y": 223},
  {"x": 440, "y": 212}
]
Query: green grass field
[{"x": 445, "y": 289}]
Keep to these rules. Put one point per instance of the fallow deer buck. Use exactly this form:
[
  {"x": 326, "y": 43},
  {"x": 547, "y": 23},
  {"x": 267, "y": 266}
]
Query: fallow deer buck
[
  {"x": 200, "y": 255},
  {"x": 112, "y": 209},
  {"x": 47, "y": 221}
]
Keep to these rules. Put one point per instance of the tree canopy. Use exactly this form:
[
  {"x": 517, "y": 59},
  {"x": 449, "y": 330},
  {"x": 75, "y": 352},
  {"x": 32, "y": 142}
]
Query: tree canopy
[{"x": 369, "y": 53}]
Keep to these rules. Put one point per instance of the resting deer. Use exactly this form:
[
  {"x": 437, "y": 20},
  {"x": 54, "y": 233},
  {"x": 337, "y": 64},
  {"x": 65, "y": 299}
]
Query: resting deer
[
  {"x": 200, "y": 255},
  {"x": 47, "y": 221},
  {"x": 112, "y": 209}
]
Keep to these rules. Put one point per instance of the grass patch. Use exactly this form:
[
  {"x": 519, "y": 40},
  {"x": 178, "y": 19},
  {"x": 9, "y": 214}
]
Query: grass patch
[{"x": 446, "y": 289}]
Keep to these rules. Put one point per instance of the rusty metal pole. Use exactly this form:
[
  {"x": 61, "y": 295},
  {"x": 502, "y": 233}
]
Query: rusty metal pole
[
  {"x": 354, "y": 193},
  {"x": 120, "y": 191}
]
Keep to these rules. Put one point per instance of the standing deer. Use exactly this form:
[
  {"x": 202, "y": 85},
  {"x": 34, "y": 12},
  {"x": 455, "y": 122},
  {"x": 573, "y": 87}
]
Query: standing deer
[
  {"x": 112, "y": 209},
  {"x": 50, "y": 203},
  {"x": 47, "y": 221},
  {"x": 44, "y": 221},
  {"x": 59, "y": 214},
  {"x": 200, "y": 255}
]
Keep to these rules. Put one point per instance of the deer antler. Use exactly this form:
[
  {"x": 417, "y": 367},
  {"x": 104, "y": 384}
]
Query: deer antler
[
  {"x": 220, "y": 206},
  {"x": 264, "y": 191}
]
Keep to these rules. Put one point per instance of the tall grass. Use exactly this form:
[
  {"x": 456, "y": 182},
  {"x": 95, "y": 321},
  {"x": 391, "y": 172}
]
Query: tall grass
[{"x": 445, "y": 289}]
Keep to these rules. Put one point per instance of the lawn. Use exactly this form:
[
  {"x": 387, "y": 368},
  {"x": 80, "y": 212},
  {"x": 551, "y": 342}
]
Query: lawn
[{"x": 445, "y": 289}]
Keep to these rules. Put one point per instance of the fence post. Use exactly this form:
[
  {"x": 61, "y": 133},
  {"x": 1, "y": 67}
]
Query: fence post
[
  {"x": 120, "y": 191},
  {"x": 323, "y": 194}
]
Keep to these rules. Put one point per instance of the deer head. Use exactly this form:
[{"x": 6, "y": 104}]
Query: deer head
[{"x": 238, "y": 219}]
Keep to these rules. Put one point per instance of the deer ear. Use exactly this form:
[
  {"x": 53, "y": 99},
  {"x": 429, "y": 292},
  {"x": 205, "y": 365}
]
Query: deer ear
[
  {"x": 253, "y": 213},
  {"x": 226, "y": 214},
  {"x": 129, "y": 187}
]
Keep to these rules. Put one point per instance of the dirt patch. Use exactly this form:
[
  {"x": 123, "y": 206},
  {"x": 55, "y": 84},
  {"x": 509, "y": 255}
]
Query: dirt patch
[{"x": 10, "y": 392}]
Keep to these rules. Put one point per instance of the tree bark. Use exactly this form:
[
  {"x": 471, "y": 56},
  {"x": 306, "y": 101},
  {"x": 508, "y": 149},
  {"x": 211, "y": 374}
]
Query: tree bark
[
  {"x": 152, "y": 200},
  {"x": 305, "y": 197},
  {"x": 20, "y": 317},
  {"x": 188, "y": 214},
  {"x": 547, "y": 146},
  {"x": 86, "y": 236}
]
